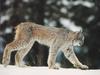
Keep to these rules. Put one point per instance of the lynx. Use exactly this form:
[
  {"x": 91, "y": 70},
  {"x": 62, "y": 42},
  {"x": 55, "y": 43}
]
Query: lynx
[{"x": 58, "y": 39}]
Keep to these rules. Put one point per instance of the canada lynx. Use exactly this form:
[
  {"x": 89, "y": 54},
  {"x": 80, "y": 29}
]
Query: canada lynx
[{"x": 58, "y": 39}]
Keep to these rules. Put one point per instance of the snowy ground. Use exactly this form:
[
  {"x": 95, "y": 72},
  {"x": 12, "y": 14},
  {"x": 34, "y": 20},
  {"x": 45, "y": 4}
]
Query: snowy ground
[{"x": 13, "y": 70}]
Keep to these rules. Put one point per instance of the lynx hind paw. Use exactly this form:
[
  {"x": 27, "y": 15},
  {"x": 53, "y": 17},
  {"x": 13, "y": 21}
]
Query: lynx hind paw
[
  {"x": 5, "y": 62},
  {"x": 5, "y": 65}
]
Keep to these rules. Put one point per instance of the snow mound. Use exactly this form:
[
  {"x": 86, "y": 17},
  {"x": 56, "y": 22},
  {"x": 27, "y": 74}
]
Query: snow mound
[{"x": 14, "y": 70}]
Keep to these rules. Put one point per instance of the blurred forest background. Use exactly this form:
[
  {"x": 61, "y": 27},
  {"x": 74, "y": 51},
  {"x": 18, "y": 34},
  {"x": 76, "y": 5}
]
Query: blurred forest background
[{"x": 73, "y": 14}]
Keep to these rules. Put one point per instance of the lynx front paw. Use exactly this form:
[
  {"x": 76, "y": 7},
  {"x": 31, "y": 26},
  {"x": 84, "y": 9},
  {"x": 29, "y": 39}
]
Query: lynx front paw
[
  {"x": 84, "y": 67},
  {"x": 56, "y": 66},
  {"x": 50, "y": 66},
  {"x": 50, "y": 63},
  {"x": 81, "y": 67},
  {"x": 22, "y": 65}
]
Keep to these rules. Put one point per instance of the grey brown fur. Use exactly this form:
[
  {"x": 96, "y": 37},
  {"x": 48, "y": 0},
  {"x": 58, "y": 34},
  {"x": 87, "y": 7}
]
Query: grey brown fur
[{"x": 58, "y": 39}]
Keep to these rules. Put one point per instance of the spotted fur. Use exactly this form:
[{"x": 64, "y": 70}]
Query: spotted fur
[{"x": 58, "y": 39}]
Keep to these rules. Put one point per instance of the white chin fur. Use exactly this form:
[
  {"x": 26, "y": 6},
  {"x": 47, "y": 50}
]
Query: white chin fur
[{"x": 76, "y": 44}]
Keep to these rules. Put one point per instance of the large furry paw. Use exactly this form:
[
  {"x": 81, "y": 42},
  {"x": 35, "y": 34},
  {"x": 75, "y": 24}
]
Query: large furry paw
[
  {"x": 5, "y": 62},
  {"x": 22, "y": 65},
  {"x": 84, "y": 67},
  {"x": 56, "y": 66},
  {"x": 81, "y": 67},
  {"x": 50, "y": 66}
]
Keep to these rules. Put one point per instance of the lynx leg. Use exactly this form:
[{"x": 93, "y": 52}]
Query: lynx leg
[
  {"x": 13, "y": 46},
  {"x": 52, "y": 57},
  {"x": 59, "y": 58},
  {"x": 6, "y": 55},
  {"x": 7, "y": 52},
  {"x": 70, "y": 55},
  {"x": 19, "y": 57},
  {"x": 21, "y": 54}
]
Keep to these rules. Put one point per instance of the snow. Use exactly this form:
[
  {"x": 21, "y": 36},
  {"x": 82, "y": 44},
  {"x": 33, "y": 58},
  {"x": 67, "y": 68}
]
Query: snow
[
  {"x": 14, "y": 70},
  {"x": 90, "y": 18},
  {"x": 26, "y": 1},
  {"x": 2, "y": 41},
  {"x": 84, "y": 3},
  {"x": 4, "y": 18},
  {"x": 63, "y": 10},
  {"x": 69, "y": 24},
  {"x": 78, "y": 2},
  {"x": 8, "y": 30},
  {"x": 49, "y": 22},
  {"x": 8, "y": 2}
]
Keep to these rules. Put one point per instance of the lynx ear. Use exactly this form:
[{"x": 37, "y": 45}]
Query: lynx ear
[{"x": 77, "y": 32}]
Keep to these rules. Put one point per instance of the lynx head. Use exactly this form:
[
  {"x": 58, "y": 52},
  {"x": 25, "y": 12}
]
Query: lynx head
[{"x": 78, "y": 39}]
